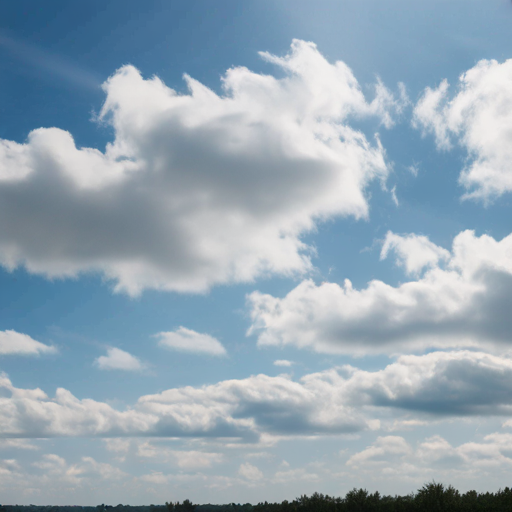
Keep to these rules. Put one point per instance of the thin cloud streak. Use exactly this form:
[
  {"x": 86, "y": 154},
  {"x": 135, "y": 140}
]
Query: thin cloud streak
[{"x": 38, "y": 58}]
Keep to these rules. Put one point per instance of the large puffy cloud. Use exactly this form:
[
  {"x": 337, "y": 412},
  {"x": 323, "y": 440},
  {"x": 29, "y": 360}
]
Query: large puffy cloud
[
  {"x": 336, "y": 401},
  {"x": 478, "y": 117},
  {"x": 258, "y": 404},
  {"x": 462, "y": 299},
  {"x": 196, "y": 188}
]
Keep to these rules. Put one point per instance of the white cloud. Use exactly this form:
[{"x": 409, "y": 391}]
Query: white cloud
[
  {"x": 250, "y": 472},
  {"x": 187, "y": 340},
  {"x": 465, "y": 303},
  {"x": 414, "y": 252},
  {"x": 184, "y": 459},
  {"x": 117, "y": 445},
  {"x": 117, "y": 359},
  {"x": 18, "y": 444},
  {"x": 31, "y": 413},
  {"x": 57, "y": 468},
  {"x": 193, "y": 459},
  {"x": 384, "y": 448},
  {"x": 479, "y": 118},
  {"x": 262, "y": 408},
  {"x": 15, "y": 343},
  {"x": 393, "y": 196},
  {"x": 196, "y": 189},
  {"x": 247, "y": 408},
  {"x": 283, "y": 362},
  {"x": 394, "y": 456}
]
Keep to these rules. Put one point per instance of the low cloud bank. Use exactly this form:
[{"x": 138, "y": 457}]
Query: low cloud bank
[{"x": 336, "y": 401}]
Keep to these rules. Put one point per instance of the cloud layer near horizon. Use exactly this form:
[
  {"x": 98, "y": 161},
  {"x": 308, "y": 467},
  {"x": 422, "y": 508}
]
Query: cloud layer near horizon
[
  {"x": 343, "y": 400},
  {"x": 196, "y": 189}
]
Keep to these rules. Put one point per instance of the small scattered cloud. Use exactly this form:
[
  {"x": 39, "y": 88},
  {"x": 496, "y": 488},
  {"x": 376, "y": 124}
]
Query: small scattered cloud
[
  {"x": 393, "y": 196},
  {"x": 283, "y": 362},
  {"x": 250, "y": 472},
  {"x": 15, "y": 343},
  {"x": 414, "y": 252},
  {"x": 383, "y": 449},
  {"x": 17, "y": 444},
  {"x": 414, "y": 169},
  {"x": 117, "y": 359},
  {"x": 187, "y": 340},
  {"x": 184, "y": 459},
  {"x": 294, "y": 475}
]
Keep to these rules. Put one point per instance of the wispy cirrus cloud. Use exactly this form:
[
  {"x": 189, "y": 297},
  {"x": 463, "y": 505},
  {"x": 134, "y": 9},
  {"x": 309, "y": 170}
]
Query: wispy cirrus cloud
[{"x": 37, "y": 57}]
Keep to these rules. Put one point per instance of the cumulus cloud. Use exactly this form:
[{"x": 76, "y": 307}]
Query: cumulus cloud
[
  {"x": 199, "y": 188},
  {"x": 478, "y": 117},
  {"x": 463, "y": 302},
  {"x": 117, "y": 359},
  {"x": 237, "y": 408},
  {"x": 333, "y": 402},
  {"x": 31, "y": 413},
  {"x": 459, "y": 383},
  {"x": 16, "y": 343},
  {"x": 249, "y": 407},
  {"x": 187, "y": 340}
]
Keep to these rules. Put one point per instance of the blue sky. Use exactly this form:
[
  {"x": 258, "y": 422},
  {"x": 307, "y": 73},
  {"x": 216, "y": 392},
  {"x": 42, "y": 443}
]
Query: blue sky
[{"x": 251, "y": 250}]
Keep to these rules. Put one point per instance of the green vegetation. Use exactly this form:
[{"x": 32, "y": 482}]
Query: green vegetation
[{"x": 432, "y": 497}]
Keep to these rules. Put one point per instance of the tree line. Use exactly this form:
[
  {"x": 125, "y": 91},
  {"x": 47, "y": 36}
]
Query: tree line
[{"x": 432, "y": 497}]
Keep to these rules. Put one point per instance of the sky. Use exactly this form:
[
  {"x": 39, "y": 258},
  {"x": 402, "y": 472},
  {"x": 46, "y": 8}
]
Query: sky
[{"x": 251, "y": 250}]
